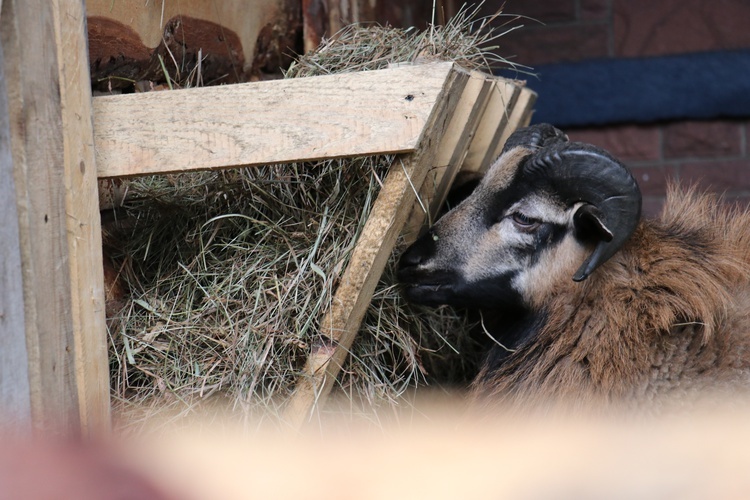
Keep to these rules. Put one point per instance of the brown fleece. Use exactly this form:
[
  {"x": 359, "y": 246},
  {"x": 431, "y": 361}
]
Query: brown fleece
[{"x": 667, "y": 317}]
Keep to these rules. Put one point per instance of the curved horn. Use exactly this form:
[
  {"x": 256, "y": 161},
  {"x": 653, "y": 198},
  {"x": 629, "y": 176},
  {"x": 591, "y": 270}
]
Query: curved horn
[
  {"x": 535, "y": 137},
  {"x": 612, "y": 200}
]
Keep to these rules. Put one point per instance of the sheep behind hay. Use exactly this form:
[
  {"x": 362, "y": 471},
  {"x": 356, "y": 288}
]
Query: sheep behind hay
[{"x": 656, "y": 309}]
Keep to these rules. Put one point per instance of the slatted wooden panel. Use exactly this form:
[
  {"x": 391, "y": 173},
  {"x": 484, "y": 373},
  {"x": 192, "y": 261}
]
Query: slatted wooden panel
[
  {"x": 487, "y": 141},
  {"x": 428, "y": 113},
  {"x": 454, "y": 148}
]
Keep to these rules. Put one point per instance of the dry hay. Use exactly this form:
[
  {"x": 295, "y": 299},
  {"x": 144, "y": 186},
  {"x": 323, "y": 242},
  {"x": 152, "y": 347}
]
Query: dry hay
[{"x": 228, "y": 272}]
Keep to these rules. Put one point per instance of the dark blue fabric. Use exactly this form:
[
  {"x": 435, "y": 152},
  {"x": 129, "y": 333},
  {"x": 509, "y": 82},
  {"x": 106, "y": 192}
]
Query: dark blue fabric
[{"x": 689, "y": 86}]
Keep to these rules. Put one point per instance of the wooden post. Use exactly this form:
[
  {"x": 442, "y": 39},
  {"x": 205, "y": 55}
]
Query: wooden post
[
  {"x": 15, "y": 403},
  {"x": 49, "y": 98}
]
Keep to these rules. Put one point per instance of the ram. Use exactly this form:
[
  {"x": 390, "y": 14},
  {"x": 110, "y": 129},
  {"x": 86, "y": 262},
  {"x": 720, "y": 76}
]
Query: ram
[{"x": 583, "y": 299}]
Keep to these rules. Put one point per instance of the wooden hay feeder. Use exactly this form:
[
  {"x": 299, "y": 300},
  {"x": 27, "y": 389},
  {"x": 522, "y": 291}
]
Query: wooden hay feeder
[{"x": 53, "y": 359}]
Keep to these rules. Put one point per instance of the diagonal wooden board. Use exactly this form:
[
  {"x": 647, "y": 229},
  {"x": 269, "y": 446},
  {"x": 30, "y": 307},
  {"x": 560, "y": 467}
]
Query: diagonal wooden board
[
  {"x": 519, "y": 116},
  {"x": 453, "y": 148},
  {"x": 487, "y": 141},
  {"x": 281, "y": 121},
  {"x": 374, "y": 246}
]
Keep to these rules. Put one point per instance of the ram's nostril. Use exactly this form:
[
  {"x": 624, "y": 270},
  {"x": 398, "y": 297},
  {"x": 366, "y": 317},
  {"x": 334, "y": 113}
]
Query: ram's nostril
[
  {"x": 412, "y": 257},
  {"x": 420, "y": 251}
]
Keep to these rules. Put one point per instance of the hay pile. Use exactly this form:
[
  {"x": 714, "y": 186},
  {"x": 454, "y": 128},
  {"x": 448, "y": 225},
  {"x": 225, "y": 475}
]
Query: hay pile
[{"x": 228, "y": 272}]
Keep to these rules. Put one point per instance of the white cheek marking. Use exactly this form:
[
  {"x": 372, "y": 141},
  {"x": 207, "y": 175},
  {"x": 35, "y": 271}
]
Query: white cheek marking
[
  {"x": 493, "y": 254},
  {"x": 556, "y": 265},
  {"x": 541, "y": 208}
]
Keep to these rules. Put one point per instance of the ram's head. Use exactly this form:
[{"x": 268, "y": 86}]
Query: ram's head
[{"x": 546, "y": 206}]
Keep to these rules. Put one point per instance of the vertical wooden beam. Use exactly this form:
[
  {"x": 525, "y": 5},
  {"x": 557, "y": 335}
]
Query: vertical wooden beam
[
  {"x": 82, "y": 218},
  {"x": 52, "y": 145},
  {"x": 15, "y": 403},
  {"x": 374, "y": 246}
]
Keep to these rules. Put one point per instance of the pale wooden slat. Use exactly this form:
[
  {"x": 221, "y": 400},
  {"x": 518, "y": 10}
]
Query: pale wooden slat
[
  {"x": 453, "y": 148},
  {"x": 528, "y": 97},
  {"x": 354, "y": 114},
  {"x": 15, "y": 402},
  {"x": 83, "y": 219},
  {"x": 519, "y": 116},
  {"x": 490, "y": 130},
  {"x": 58, "y": 224},
  {"x": 368, "y": 260},
  {"x": 461, "y": 135},
  {"x": 36, "y": 144}
]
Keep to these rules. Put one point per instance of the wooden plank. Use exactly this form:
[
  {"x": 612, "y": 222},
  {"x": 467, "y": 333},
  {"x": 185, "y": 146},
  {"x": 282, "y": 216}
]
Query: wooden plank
[
  {"x": 83, "y": 219},
  {"x": 45, "y": 69},
  {"x": 15, "y": 402},
  {"x": 461, "y": 136},
  {"x": 450, "y": 156},
  {"x": 36, "y": 143},
  {"x": 280, "y": 121},
  {"x": 490, "y": 130},
  {"x": 520, "y": 116},
  {"x": 530, "y": 101},
  {"x": 368, "y": 260}
]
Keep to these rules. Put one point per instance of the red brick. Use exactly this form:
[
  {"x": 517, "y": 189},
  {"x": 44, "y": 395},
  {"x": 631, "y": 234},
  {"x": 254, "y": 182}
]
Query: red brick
[
  {"x": 653, "y": 180},
  {"x": 595, "y": 9},
  {"x": 550, "y": 44},
  {"x": 724, "y": 176},
  {"x": 626, "y": 142},
  {"x": 649, "y": 28},
  {"x": 694, "y": 139},
  {"x": 546, "y": 11}
]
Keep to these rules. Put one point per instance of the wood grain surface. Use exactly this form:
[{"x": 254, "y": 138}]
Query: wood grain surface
[{"x": 282, "y": 121}]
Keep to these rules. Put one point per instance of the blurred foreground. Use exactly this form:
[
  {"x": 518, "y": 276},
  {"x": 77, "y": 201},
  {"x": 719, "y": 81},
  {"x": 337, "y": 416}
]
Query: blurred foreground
[{"x": 435, "y": 453}]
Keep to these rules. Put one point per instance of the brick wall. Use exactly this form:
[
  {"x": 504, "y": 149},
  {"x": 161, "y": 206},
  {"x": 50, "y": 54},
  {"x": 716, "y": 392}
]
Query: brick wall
[{"x": 712, "y": 153}]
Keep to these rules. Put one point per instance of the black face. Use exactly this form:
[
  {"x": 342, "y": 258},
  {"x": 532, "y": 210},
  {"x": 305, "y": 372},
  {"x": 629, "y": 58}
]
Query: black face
[
  {"x": 480, "y": 254},
  {"x": 449, "y": 288}
]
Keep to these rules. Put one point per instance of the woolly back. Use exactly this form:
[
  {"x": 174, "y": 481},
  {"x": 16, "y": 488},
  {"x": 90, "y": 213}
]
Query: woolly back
[{"x": 678, "y": 274}]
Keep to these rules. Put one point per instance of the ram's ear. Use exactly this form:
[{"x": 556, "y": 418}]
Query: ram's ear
[{"x": 590, "y": 225}]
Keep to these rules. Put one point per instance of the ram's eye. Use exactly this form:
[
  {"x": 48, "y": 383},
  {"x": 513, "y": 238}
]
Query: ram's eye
[{"x": 524, "y": 221}]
